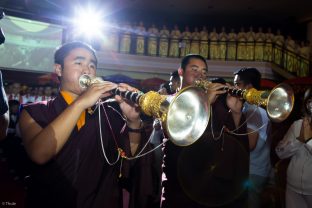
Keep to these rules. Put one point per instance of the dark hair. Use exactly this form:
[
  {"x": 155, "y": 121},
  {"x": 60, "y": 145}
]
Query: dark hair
[
  {"x": 306, "y": 97},
  {"x": 63, "y": 51},
  {"x": 188, "y": 57},
  {"x": 249, "y": 76},
  {"x": 13, "y": 102},
  {"x": 175, "y": 75},
  {"x": 166, "y": 86},
  {"x": 218, "y": 80}
]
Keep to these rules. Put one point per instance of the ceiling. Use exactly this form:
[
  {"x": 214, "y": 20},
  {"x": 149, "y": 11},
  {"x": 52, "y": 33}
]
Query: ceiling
[
  {"x": 282, "y": 9},
  {"x": 230, "y": 7},
  {"x": 288, "y": 15}
]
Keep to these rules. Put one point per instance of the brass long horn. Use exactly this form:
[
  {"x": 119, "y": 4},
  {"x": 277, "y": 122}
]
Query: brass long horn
[
  {"x": 279, "y": 102},
  {"x": 185, "y": 115}
]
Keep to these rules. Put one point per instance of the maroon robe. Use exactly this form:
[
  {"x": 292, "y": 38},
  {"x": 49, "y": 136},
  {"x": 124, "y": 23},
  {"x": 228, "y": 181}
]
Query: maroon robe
[
  {"x": 208, "y": 173},
  {"x": 79, "y": 176}
]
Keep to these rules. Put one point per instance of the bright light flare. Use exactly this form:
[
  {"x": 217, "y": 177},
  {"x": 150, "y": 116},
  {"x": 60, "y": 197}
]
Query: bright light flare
[{"x": 88, "y": 22}]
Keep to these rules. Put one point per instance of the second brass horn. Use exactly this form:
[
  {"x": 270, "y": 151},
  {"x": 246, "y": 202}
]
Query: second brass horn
[
  {"x": 279, "y": 102},
  {"x": 185, "y": 116}
]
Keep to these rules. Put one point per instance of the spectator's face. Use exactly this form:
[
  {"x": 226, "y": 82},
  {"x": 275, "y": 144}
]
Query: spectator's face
[
  {"x": 54, "y": 91},
  {"x": 78, "y": 62},
  {"x": 196, "y": 69},
  {"x": 40, "y": 91},
  {"x": 47, "y": 91},
  {"x": 8, "y": 89},
  {"x": 35, "y": 91},
  {"x": 174, "y": 84},
  {"x": 163, "y": 91},
  {"x": 16, "y": 87},
  {"x": 239, "y": 84},
  {"x": 29, "y": 90},
  {"x": 309, "y": 106}
]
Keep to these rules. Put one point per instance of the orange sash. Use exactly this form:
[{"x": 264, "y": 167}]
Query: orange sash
[{"x": 69, "y": 100}]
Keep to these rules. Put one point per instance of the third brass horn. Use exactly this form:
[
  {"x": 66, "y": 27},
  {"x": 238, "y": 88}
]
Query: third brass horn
[{"x": 278, "y": 102}]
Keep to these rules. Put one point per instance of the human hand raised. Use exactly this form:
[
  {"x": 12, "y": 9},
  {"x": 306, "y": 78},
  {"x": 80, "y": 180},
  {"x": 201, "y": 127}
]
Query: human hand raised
[
  {"x": 214, "y": 90},
  {"x": 95, "y": 92},
  {"x": 306, "y": 129},
  {"x": 235, "y": 104},
  {"x": 129, "y": 109}
]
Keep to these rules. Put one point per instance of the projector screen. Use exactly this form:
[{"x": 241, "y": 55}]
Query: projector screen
[{"x": 29, "y": 45}]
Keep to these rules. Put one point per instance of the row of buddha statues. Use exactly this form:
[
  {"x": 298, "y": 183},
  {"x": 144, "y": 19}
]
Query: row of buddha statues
[{"x": 246, "y": 46}]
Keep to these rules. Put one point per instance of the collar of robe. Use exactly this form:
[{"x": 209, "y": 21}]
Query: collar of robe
[{"x": 69, "y": 100}]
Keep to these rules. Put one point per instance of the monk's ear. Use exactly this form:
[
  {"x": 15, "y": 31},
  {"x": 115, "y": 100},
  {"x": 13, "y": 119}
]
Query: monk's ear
[
  {"x": 58, "y": 69},
  {"x": 180, "y": 71}
]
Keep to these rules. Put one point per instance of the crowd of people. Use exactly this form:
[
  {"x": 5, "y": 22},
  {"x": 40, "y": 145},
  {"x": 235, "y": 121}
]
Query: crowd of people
[
  {"x": 91, "y": 148},
  {"x": 222, "y": 44},
  {"x": 29, "y": 94}
]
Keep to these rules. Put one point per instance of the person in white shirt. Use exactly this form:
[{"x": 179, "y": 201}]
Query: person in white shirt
[
  {"x": 258, "y": 127},
  {"x": 297, "y": 145}
]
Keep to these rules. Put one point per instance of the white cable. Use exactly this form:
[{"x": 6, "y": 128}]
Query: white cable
[
  {"x": 99, "y": 103},
  {"x": 233, "y": 131},
  {"x": 101, "y": 139},
  {"x": 150, "y": 151}
]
